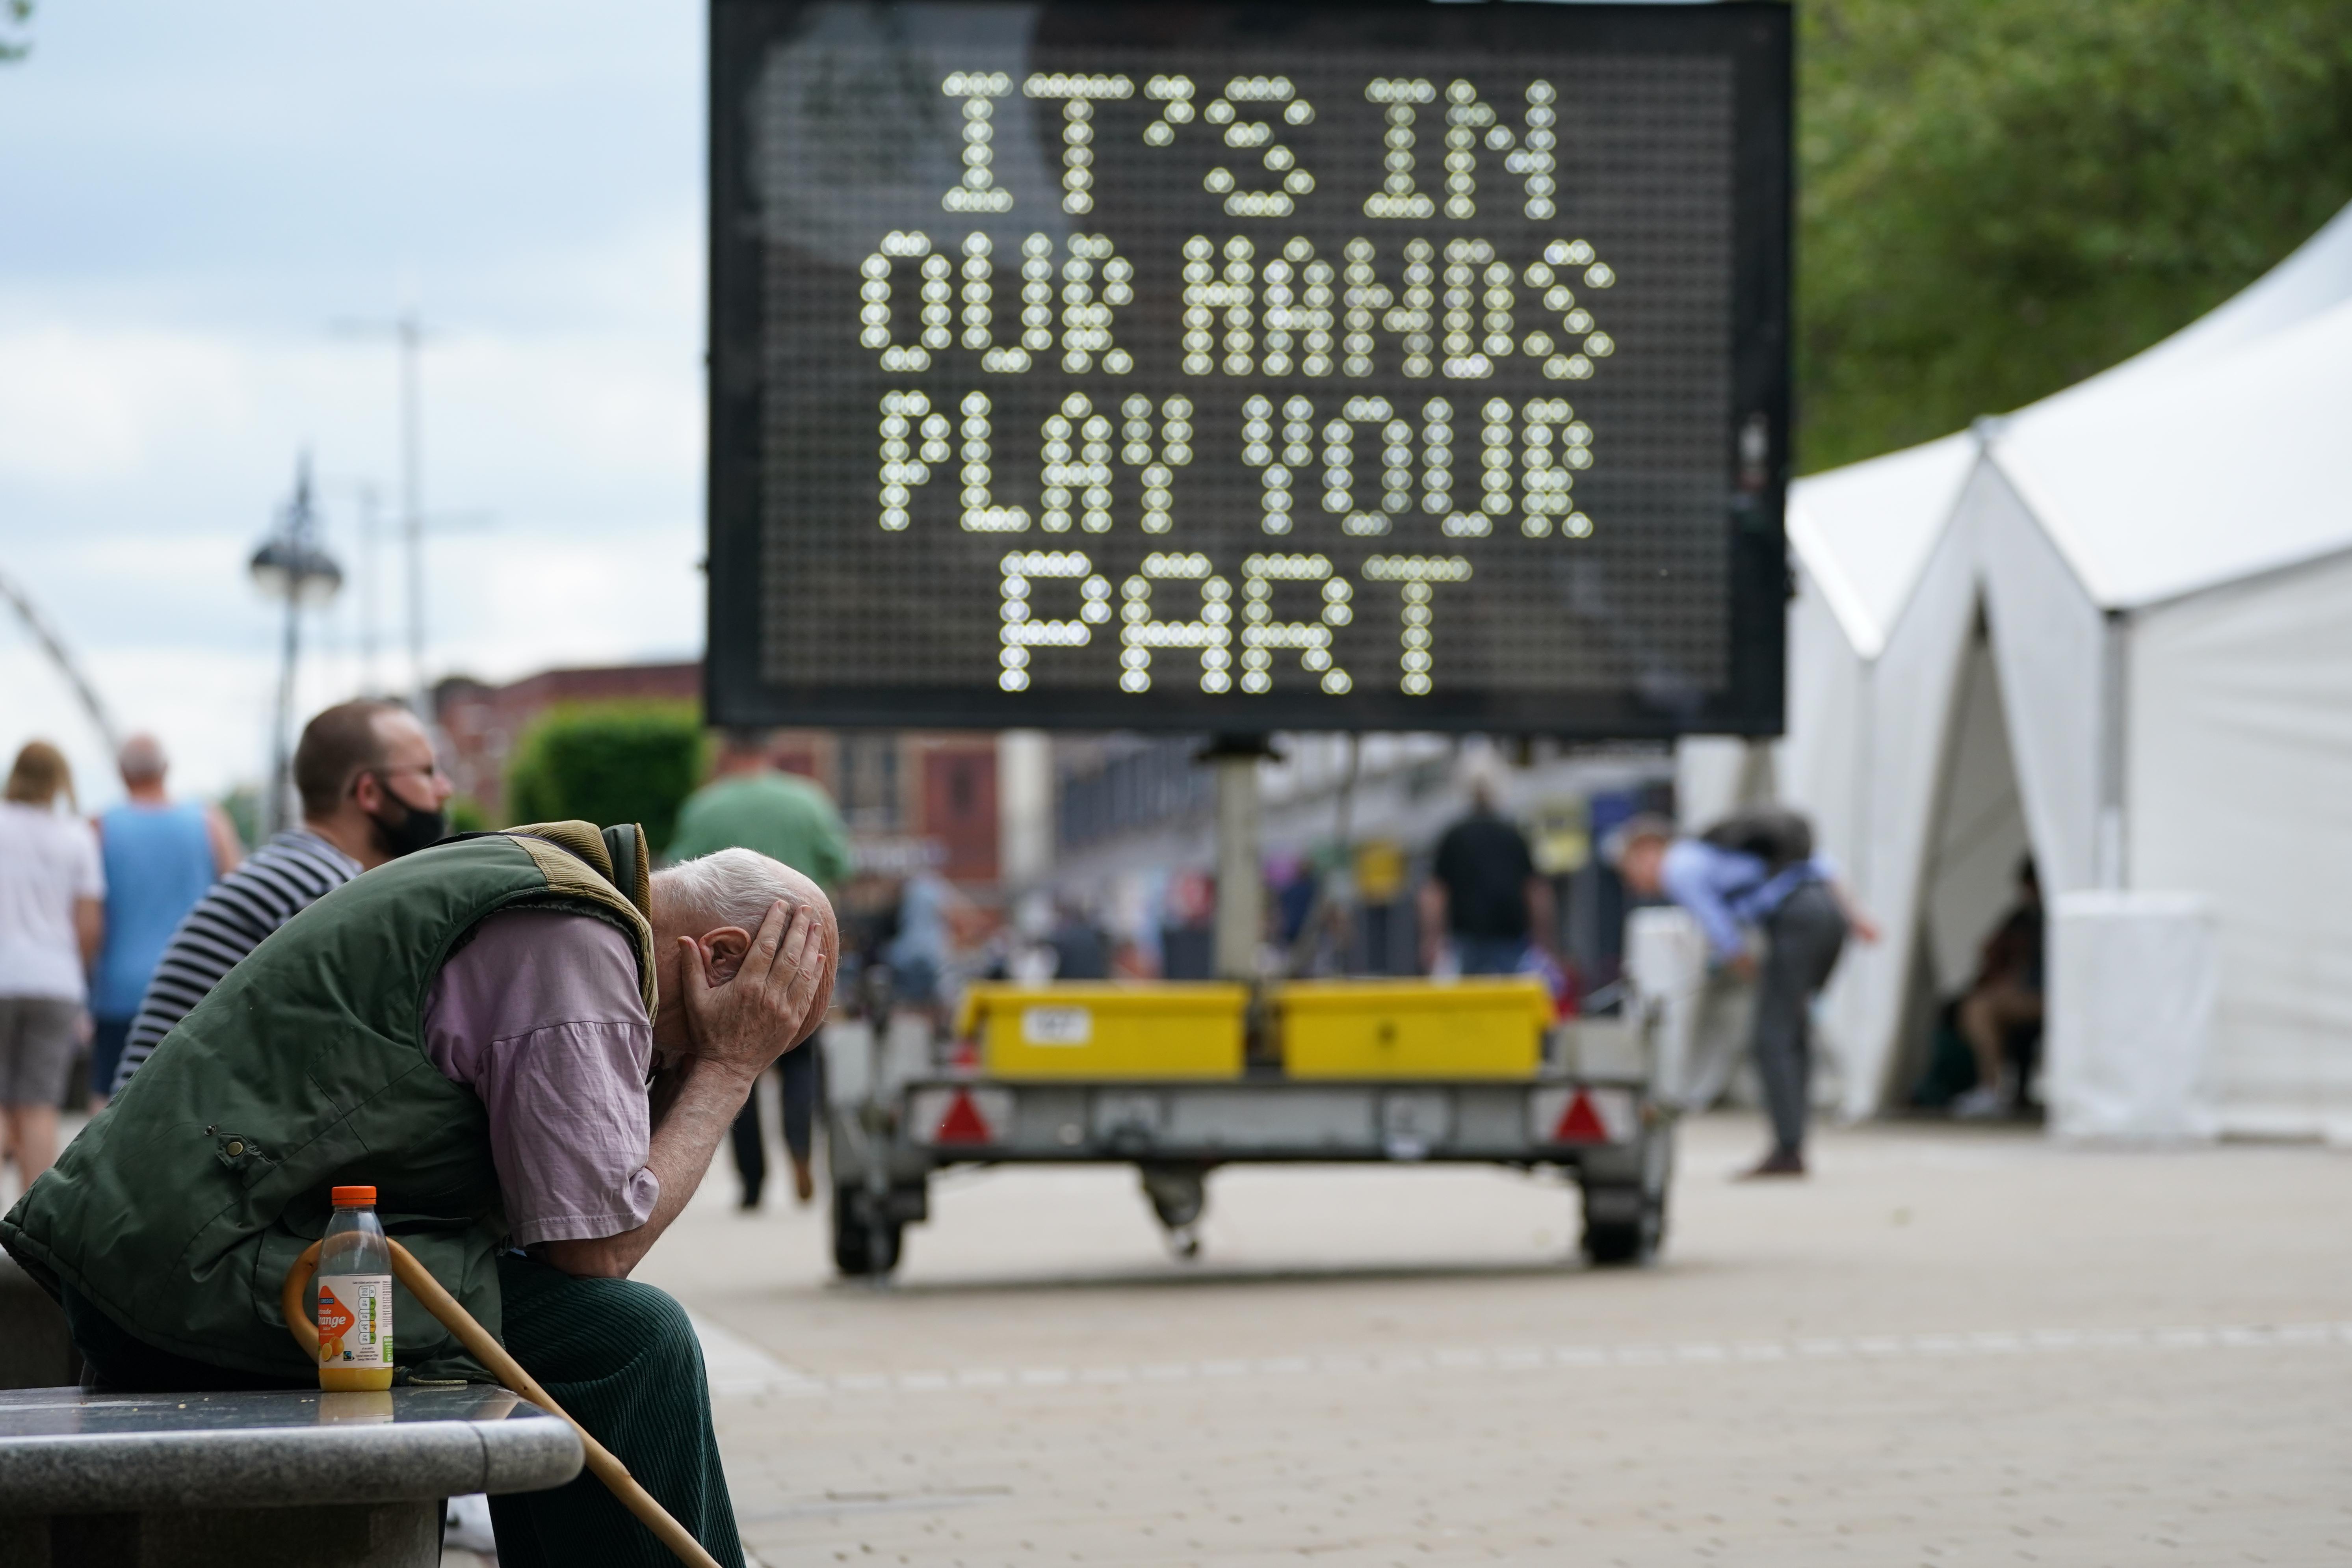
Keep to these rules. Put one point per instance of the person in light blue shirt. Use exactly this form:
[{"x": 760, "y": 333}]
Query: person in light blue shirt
[
  {"x": 161, "y": 855},
  {"x": 1756, "y": 871},
  {"x": 1728, "y": 890},
  {"x": 918, "y": 954}
]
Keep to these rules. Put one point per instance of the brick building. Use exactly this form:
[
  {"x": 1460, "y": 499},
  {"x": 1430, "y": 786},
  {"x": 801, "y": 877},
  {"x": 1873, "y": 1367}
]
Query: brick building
[{"x": 911, "y": 799}]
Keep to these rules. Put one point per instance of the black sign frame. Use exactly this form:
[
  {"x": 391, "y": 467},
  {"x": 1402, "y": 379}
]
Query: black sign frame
[{"x": 1754, "y": 36}]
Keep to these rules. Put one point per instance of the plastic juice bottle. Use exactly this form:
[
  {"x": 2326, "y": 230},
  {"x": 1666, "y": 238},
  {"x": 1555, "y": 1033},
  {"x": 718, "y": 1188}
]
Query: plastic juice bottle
[{"x": 353, "y": 1304}]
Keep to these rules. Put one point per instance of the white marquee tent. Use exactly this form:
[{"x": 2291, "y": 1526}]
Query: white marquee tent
[{"x": 2114, "y": 627}]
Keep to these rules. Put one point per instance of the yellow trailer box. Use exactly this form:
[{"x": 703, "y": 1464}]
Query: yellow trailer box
[
  {"x": 1102, "y": 1030},
  {"x": 1472, "y": 1028}
]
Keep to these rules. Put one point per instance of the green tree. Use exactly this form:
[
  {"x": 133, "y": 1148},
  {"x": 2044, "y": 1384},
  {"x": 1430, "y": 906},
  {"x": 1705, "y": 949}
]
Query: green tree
[
  {"x": 242, "y": 806},
  {"x": 16, "y": 40},
  {"x": 2000, "y": 197},
  {"x": 608, "y": 762}
]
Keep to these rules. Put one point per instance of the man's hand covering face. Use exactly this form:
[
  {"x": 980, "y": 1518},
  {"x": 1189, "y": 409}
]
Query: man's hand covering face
[{"x": 775, "y": 1000}]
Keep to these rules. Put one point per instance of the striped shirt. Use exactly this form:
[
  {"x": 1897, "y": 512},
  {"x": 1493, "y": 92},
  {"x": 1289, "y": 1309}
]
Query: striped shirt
[{"x": 277, "y": 882}]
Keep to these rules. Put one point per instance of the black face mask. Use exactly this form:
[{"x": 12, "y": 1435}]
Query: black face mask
[{"x": 415, "y": 830}]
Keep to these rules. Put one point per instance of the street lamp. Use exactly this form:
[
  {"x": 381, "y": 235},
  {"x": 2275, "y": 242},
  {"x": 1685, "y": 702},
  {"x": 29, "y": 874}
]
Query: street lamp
[{"x": 291, "y": 566}]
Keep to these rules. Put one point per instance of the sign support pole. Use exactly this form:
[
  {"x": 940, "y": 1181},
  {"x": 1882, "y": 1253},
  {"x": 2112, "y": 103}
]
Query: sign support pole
[{"x": 1241, "y": 891}]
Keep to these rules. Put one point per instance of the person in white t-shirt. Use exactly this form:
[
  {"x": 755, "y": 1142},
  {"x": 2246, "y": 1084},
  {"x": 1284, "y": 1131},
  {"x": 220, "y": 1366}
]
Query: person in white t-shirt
[{"x": 52, "y": 919}]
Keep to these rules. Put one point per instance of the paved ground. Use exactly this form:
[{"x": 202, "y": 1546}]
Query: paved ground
[{"x": 1945, "y": 1348}]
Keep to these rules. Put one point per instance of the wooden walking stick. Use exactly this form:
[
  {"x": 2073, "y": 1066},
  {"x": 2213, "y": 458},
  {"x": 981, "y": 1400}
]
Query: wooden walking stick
[{"x": 478, "y": 1344}]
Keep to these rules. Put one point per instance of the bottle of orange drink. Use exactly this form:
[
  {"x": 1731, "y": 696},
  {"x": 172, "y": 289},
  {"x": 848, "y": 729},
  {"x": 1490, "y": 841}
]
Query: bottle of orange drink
[{"x": 353, "y": 1301}]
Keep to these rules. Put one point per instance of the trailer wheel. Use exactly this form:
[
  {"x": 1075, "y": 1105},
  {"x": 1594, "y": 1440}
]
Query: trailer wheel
[
  {"x": 862, "y": 1248},
  {"x": 1617, "y": 1243},
  {"x": 1625, "y": 1222}
]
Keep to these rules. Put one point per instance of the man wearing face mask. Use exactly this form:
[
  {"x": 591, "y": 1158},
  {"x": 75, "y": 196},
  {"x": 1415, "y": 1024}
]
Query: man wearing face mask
[{"x": 371, "y": 793}]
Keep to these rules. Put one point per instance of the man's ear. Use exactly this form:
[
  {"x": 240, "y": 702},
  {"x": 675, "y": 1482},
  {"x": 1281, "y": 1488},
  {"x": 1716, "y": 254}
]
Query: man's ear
[{"x": 723, "y": 950}]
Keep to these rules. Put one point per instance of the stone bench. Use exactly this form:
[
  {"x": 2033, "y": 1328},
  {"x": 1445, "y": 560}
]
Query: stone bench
[
  {"x": 290, "y": 1480},
  {"x": 35, "y": 1351}
]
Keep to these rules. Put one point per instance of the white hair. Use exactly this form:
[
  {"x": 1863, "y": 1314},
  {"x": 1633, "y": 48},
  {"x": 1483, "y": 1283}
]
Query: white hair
[
  {"x": 730, "y": 888},
  {"x": 1482, "y": 776},
  {"x": 141, "y": 758}
]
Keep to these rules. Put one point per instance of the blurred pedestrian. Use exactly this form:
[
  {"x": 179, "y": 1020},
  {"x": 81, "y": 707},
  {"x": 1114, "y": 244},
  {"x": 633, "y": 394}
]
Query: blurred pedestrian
[
  {"x": 161, "y": 856},
  {"x": 370, "y": 792},
  {"x": 1482, "y": 894},
  {"x": 1379, "y": 873},
  {"x": 1756, "y": 869},
  {"x": 2001, "y": 1016},
  {"x": 1082, "y": 948},
  {"x": 52, "y": 919},
  {"x": 1187, "y": 927},
  {"x": 751, "y": 804},
  {"x": 928, "y": 908}
]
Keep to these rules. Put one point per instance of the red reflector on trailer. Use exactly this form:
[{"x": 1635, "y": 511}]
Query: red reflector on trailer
[
  {"x": 1571, "y": 1115},
  {"x": 963, "y": 1123},
  {"x": 1580, "y": 1123},
  {"x": 960, "y": 1116}
]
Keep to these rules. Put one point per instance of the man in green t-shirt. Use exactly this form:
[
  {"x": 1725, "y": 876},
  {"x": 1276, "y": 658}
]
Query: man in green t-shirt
[{"x": 749, "y": 804}]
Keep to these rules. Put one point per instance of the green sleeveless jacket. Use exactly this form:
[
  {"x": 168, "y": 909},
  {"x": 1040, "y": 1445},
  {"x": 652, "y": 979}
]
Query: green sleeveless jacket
[{"x": 179, "y": 1210}]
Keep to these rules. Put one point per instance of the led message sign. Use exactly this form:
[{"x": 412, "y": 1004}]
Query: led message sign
[{"x": 1249, "y": 367}]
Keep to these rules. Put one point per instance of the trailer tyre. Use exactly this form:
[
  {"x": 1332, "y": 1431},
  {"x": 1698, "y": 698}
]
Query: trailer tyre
[
  {"x": 1625, "y": 1243},
  {"x": 862, "y": 1248},
  {"x": 1625, "y": 1220}
]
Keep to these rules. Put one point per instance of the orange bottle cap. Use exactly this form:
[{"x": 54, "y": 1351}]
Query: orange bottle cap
[{"x": 353, "y": 1198}]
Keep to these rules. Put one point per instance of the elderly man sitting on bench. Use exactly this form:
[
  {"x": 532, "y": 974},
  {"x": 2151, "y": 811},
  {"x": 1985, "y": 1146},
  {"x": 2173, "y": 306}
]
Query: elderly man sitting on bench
[{"x": 476, "y": 1031}]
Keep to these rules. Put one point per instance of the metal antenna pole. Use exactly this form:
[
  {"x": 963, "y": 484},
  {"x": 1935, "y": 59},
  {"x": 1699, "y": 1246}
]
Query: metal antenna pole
[
  {"x": 407, "y": 334},
  {"x": 411, "y": 497},
  {"x": 371, "y": 567},
  {"x": 372, "y": 519}
]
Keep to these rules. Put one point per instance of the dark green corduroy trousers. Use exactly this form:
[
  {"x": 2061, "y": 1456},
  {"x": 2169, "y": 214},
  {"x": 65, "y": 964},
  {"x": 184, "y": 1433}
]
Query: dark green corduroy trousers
[{"x": 621, "y": 1358}]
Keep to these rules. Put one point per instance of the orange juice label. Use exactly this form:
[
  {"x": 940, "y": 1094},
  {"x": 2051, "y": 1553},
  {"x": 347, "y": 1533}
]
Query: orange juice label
[{"x": 355, "y": 1320}]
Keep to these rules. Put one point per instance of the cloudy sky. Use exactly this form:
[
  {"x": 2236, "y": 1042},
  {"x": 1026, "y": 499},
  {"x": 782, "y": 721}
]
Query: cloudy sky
[{"x": 195, "y": 197}]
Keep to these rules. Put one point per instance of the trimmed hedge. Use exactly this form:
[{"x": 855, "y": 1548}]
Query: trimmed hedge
[{"x": 608, "y": 762}]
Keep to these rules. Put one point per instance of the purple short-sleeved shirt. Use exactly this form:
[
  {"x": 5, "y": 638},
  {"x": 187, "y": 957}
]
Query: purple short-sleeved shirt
[{"x": 539, "y": 1016}]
